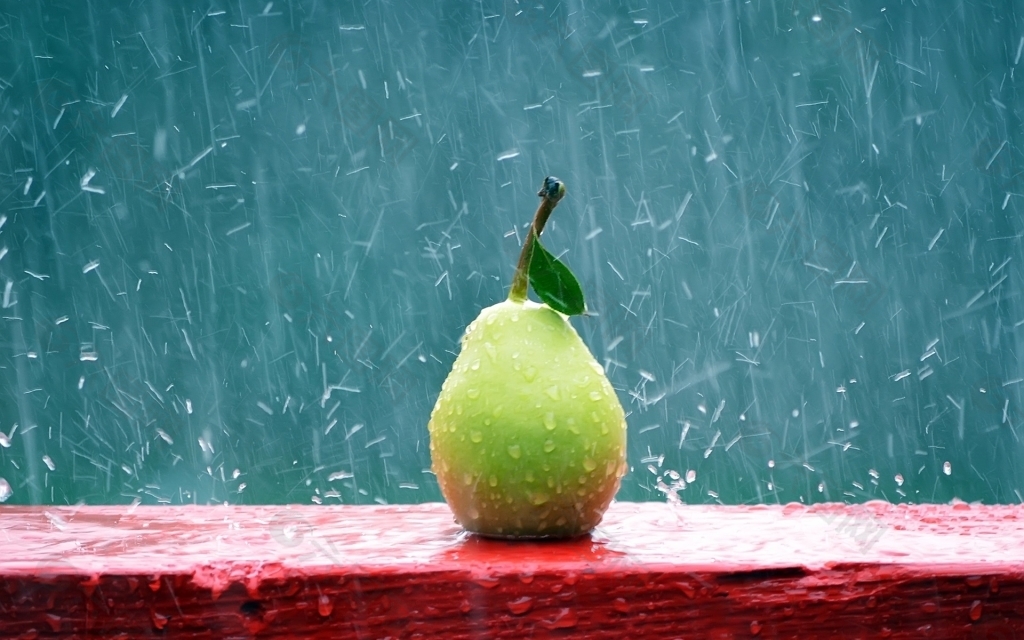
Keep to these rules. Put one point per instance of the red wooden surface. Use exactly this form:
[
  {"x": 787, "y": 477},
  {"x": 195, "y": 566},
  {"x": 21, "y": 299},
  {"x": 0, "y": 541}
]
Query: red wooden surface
[{"x": 650, "y": 570}]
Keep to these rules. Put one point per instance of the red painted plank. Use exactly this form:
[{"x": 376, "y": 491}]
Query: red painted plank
[{"x": 650, "y": 570}]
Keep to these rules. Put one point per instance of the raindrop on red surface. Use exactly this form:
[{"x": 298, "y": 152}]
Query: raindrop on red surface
[
  {"x": 565, "y": 619},
  {"x": 975, "y": 611},
  {"x": 159, "y": 621},
  {"x": 519, "y": 606},
  {"x": 325, "y": 606}
]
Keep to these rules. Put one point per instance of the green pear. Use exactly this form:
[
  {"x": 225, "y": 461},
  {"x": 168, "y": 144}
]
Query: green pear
[{"x": 527, "y": 438}]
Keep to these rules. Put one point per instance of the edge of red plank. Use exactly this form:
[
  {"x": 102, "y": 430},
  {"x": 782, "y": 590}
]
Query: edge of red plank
[{"x": 650, "y": 570}]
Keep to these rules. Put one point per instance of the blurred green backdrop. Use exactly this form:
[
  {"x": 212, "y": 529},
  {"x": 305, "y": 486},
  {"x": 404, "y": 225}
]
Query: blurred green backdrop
[{"x": 240, "y": 241}]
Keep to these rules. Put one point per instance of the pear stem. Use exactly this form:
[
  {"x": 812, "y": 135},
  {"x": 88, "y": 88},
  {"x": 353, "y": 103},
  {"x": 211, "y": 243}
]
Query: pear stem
[{"x": 551, "y": 192}]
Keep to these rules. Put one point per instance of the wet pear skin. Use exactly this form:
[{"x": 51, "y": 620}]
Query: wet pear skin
[{"x": 527, "y": 438}]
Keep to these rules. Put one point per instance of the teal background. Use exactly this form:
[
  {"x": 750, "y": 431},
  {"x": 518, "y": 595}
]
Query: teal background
[{"x": 240, "y": 241}]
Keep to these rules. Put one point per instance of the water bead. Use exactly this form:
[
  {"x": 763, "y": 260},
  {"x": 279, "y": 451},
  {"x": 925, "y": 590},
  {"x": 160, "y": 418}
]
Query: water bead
[{"x": 549, "y": 421}]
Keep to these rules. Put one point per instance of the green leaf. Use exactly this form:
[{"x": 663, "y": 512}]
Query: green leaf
[{"x": 554, "y": 283}]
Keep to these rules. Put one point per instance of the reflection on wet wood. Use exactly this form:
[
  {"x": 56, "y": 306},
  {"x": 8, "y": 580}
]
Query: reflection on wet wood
[{"x": 650, "y": 570}]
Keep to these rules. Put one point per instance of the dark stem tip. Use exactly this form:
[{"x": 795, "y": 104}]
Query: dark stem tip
[{"x": 552, "y": 189}]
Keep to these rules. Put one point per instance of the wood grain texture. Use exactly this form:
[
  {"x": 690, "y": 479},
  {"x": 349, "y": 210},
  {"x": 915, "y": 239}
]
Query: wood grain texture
[{"x": 650, "y": 570}]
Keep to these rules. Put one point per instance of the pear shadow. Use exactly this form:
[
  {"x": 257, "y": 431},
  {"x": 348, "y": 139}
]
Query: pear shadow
[{"x": 590, "y": 548}]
